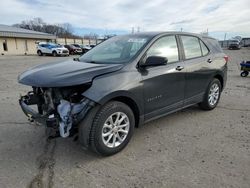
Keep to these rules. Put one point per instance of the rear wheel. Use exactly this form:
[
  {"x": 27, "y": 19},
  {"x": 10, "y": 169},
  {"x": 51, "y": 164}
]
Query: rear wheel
[
  {"x": 112, "y": 128},
  {"x": 244, "y": 74},
  {"x": 39, "y": 53},
  {"x": 212, "y": 95}
]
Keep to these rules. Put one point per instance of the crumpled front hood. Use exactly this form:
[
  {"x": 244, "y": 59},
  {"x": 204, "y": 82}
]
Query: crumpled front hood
[{"x": 66, "y": 73}]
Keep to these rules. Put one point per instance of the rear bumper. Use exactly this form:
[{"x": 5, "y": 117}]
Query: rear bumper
[{"x": 63, "y": 53}]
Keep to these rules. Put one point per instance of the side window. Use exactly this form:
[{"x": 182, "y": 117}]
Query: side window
[
  {"x": 191, "y": 46},
  {"x": 203, "y": 48},
  {"x": 165, "y": 47}
]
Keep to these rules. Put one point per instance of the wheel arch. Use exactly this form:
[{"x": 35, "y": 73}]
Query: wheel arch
[
  {"x": 132, "y": 105},
  {"x": 220, "y": 78},
  {"x": 128, "y": 99}
]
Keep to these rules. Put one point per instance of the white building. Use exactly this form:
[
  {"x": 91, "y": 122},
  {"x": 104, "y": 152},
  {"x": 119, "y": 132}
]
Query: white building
[{"x": 18, "y": 41}]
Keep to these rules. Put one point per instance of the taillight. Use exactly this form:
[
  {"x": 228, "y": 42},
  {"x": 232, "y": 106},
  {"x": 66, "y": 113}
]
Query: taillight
[{"x": 226, "y": 58}]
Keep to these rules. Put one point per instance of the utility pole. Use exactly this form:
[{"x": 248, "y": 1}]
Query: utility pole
[
  {"x": 225, "y": 36},
  {"x": 133, "y": 30}
]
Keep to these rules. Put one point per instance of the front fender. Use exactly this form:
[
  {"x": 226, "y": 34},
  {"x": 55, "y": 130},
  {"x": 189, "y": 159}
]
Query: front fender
[
  {"x": 118, "y": 84},
  {"x": 113, "y": 95}
]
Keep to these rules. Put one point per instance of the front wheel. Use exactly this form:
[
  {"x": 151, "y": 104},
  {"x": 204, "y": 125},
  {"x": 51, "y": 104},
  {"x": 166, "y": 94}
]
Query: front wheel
[
  {"x": 112, "y": 128},
  {"x": 54, "y": 53},
  {"x": 212, "y": 95}
]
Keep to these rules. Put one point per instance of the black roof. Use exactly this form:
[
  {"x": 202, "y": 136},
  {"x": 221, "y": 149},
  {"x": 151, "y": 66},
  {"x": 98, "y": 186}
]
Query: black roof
[{"x": 157, "y": 33}]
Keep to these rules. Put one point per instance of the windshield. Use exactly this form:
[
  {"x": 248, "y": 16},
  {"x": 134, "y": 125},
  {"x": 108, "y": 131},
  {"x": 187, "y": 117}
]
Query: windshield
[{"x": 120, "y": 49}]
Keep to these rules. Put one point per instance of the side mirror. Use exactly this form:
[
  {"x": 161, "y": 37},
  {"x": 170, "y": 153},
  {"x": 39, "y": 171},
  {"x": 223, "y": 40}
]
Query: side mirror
[{"x": 155, "y": 61}]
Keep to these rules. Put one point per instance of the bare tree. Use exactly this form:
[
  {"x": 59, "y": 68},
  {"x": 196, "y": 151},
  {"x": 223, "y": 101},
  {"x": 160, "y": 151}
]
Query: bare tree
[{"x": 37, "y": 24}]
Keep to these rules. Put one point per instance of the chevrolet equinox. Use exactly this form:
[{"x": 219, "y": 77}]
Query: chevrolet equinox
[{"x": 122, "y": 83}]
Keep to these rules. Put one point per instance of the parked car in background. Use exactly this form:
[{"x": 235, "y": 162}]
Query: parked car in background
[
  {"x": 83, "y": 47},
  {"x": 73, "y": 49},
  {"x": 234, "y": 44},
  {"x": 92, "y": 45},
  {"x": 86, "y": 48},
  {"x": 124, "y": 82},
  {"x": 245, "y": 42},
  {"x": 51, "y": 49}
]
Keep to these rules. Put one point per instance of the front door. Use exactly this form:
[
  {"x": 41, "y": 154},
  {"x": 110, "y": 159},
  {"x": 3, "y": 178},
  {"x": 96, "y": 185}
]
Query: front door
[{"x": 163, "y": 85}]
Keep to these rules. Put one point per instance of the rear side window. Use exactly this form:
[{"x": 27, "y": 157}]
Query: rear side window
[
  {"x": 165, "y": 47},
  {"x": 213, "y": 44},
  {"x": 204, "y": 48},
  {"x": 191, "y": 46}
]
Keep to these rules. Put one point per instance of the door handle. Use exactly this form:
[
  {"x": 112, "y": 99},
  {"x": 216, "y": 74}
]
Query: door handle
[
  {"x": 209, "y": 61},
  {"x": 179, "y": 68}
]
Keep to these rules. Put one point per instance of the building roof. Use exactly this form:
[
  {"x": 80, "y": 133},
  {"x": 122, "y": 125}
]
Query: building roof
[{"x": 8, "y": 31}]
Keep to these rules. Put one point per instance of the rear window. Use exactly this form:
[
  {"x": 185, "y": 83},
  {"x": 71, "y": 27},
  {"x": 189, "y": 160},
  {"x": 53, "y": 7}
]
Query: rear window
[
  {"x": 191, "y": 46},
  {"x": 213, "y": 44}
]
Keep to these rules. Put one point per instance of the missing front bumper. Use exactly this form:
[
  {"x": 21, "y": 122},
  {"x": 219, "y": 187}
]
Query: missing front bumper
[
  {"x": 30, "y": 113},
  {"x": 62, "y": 120}
]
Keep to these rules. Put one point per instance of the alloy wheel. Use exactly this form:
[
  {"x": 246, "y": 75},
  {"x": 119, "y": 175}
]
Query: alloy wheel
[
  {"x": 115, "y": 129},
  {"x": 214, "y": 93}
]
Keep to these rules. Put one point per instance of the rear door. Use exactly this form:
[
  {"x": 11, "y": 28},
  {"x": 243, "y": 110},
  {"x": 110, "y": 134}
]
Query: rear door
[
  {"x": 197, "y": 65},
  {"x": 46, "y": 48},
  {"x": 42, "y": 48},
  {"x": 163, "y": 85}
]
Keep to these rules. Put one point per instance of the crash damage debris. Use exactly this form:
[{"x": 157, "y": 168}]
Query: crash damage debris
[{"x": 60, "y": 110}]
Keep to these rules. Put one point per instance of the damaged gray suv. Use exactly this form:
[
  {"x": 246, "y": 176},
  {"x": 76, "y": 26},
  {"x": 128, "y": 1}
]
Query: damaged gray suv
[{"x": 121, "y": 84}]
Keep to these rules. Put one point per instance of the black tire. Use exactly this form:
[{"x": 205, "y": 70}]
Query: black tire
[
  {"x": 39, "y": 52},
  {"x": 244, "y": 74},
  {"x": 54, "y": 53},
  {"x": 206, "y": 104},
  {"x": 96, "y": 139}
]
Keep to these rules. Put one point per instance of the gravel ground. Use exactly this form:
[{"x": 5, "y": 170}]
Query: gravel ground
[{"x": 191, "y": 148}]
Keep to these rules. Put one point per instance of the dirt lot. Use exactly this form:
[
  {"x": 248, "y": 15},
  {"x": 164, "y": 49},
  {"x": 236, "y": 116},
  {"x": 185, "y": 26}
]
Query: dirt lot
[{"x": 191, "y": 148}]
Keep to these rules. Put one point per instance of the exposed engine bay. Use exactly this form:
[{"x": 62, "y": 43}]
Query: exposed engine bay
[{"x": 60, "y": 109}]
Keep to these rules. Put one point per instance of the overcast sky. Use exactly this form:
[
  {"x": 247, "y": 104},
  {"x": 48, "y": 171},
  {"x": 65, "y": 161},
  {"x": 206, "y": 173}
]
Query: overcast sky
[{"x": 218, "y": 16}]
